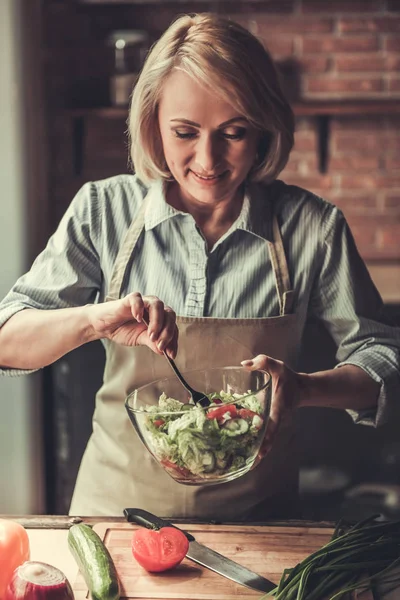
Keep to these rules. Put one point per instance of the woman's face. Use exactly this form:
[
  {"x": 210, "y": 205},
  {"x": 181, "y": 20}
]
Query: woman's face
[{"x": 208, "y": 146}]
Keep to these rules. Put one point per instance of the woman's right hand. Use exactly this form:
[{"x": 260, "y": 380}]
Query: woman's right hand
[{"x": 121, "y": 321}]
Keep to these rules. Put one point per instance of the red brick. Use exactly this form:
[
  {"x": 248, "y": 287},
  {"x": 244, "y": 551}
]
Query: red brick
[
  {"x": 369, "y": 143},
  {"x": 392, "y": 43},
  {"x": 278, "y": 45},
  {"x": 392, "y": 202},
  {"x": 394, "y": 84},
  {"x": 355, "y": 124},
  {"x": 376, "y": 237},
  {"x": 358, "y": 142},
  {"x": 312, "y": 183},
  {"x": 354, "y": 163},
  {"x": 293, "y": 25},
  {"x": 388, "y": 239},
  {"x": 378, "y": 24},
  {"x": 302, "y": 163},
  {"x": 355, "y": 43},
  {"x": 305, "y": 141},
  {"x": 392, "y": 163},
  {"x": 350, "y": 85},
  {"x": 373, "y": 181},
  {"x": 340, "y": 6},
  {"x": 393, "y": 62},
  {"x": 314, "y": 64},
  {"x": 365, "y": 62},
  {"x": 365, "y": 238},
  {"x": 355, "y": 203}
]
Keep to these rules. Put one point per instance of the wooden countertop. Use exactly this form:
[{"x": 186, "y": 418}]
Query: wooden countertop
[
  {"x": 48, "y": 536},
  {"x": 48, "y": 539}
]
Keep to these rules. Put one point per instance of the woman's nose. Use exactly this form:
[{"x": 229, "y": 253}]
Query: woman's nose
[{"x": 208, "y": 154}]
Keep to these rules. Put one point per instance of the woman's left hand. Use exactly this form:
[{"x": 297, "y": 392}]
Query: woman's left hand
[{"x": 286, "y": 391}]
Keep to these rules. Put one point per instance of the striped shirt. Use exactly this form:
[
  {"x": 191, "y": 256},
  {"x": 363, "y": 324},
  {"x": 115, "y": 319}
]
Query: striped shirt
[{"x": 232, "y": 280}]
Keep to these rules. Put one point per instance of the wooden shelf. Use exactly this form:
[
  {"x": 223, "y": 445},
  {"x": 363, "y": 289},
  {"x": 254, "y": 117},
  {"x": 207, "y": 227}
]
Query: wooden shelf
[
  {"x": 302, "y": 109},
  {"x": 347, "y": 107}
]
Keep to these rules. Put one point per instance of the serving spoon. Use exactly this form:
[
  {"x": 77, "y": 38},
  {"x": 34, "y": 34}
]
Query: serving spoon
[{"x": 197, "y": 397}]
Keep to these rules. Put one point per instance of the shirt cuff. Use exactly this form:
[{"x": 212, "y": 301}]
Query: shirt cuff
[
  {"x": 5, "y": 315},
  {"x": 374, "y": 417}
]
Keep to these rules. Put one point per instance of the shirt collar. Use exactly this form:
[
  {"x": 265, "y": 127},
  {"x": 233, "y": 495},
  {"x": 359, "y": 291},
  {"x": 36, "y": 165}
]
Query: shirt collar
[
  {"x": 158, "y": 209},
  {"x": 254, "y": 217}
]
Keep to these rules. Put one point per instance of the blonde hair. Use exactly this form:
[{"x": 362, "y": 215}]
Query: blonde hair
[{"x": 233, "y": 63}]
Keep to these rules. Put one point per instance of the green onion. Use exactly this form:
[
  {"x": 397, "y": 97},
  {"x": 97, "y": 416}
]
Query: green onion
[{"x": 356, "y": 557}]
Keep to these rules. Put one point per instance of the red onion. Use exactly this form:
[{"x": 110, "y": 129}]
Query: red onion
[{"x": 38, "y": 581}]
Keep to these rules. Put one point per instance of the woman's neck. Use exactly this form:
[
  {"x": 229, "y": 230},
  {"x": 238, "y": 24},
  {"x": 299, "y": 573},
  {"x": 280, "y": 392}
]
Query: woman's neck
[{"x": 213, "y": 220}]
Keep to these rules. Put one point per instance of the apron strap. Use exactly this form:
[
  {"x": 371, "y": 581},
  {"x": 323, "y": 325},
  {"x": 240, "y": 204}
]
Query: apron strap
[
  {"x": 281, "y": 270},
  {"x": 124, "y": 255}
]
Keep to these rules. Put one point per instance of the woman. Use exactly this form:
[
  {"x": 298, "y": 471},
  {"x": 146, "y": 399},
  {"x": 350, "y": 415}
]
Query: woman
[{"x": 240, "y": 257}]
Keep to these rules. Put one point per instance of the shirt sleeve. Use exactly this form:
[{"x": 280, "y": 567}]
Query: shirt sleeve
[
  {"x": 348, "y": 303},
  {"x": 67, "y": 273}
]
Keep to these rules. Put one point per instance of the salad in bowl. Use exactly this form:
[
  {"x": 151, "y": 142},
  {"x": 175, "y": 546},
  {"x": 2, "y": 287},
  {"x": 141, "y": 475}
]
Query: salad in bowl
[{"x": 196, "y": 445}]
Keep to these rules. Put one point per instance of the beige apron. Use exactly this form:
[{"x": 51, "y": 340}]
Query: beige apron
[{"x": 117, "y": 471}]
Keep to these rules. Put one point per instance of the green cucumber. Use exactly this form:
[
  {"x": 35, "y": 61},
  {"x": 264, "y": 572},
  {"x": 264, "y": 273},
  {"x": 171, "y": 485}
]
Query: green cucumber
[
  {"x": 94, "y": 562},
  {"x": 234, "y": 427}
]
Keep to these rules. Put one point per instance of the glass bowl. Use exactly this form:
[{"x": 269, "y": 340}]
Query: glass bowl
[{"x": 200, "y": 446}]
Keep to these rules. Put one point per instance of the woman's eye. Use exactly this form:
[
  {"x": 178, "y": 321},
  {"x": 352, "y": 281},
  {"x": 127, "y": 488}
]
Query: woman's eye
[
  {"x": 184, "y": 135},
  {"x": 238, "y": 133}
]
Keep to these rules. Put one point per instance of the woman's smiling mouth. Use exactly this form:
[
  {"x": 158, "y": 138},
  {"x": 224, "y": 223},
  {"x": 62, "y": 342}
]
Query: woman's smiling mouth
[{"x": 208, "y": 179}]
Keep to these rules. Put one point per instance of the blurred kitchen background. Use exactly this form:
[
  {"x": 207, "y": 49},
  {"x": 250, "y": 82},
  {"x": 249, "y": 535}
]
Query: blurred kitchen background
[{"x": 66, "y": 70}]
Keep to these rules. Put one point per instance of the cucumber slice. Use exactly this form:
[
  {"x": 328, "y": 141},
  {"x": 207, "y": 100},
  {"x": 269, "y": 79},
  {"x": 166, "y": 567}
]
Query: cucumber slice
[
  {"x": 94, "y": 562},
  {"x": 208, "y": 461},
  {"x": 235, "y": 427}
]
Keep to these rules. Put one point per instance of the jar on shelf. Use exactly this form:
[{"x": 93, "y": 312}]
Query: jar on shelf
[{"x": 130, "y": 49}]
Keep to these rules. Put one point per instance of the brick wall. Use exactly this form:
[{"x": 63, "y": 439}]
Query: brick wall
[
  {"x": 345, "y": 50},
  {"x": 336, "y": 50}
]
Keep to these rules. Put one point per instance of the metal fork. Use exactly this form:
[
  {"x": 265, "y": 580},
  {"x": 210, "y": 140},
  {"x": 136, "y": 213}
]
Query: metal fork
[{"x": 198, "y": 397}]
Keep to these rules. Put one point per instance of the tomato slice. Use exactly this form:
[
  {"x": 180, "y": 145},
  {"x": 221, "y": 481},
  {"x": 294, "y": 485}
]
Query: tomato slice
[
  {"x": 246, "y": 413},
  {"x": 159, "y": 550},
  {"x": 169, "y": 465},
  {"x": 220, "y": 411}
]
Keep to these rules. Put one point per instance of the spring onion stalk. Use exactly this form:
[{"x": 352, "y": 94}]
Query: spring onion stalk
[{"x": 356, "y": 557}]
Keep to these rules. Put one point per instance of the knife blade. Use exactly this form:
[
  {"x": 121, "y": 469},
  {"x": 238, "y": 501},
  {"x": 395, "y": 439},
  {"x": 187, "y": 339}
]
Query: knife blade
[{"x": 206, "y": 557}]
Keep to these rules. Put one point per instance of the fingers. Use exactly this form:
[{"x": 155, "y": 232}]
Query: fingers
[
  {"x": 162, "y": 328},
  {"x": 279, "y": 402},
  {"x": 162, "y": 331},
  {"x": 136, "y": 305},
  {"x": 263, "y": 363}
]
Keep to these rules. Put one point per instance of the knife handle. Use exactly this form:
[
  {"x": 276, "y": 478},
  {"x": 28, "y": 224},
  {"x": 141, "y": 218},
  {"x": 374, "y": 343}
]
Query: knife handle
[
  {"x": 144, "y": 518},
  {"x": 150, "y": 521}
]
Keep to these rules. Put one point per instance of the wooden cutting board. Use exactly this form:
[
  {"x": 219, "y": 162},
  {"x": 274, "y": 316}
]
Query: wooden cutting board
[{"x": 263, "y": 549}]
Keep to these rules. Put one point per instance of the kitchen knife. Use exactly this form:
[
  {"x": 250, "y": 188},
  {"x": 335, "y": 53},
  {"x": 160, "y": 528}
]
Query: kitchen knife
[{"x": 204, "y": 556}]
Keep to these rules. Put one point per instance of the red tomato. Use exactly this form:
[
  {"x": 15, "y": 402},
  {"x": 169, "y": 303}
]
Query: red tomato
[
  {"x": 219, "y": 412},
  {"x": 168, "y": 464},
  {"x": 158, "y": 422},
  {"x": 159, "y": 550},
  {"x": 246, "y": 413}
]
